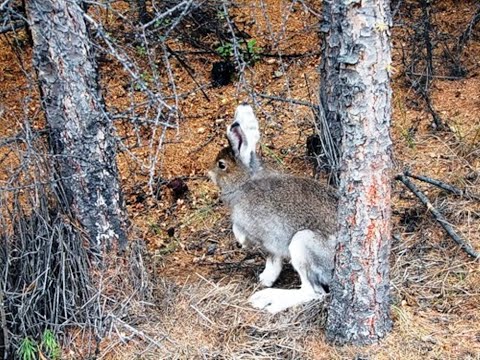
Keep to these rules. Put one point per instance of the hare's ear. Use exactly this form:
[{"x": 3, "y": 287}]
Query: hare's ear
[{"x": 243, "y": 135}]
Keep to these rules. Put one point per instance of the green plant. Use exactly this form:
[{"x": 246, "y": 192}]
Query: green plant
[
  {"x": 269, "y": 152},
  {"x": 50, "y": 345},
  {"x": 253, "y": 51},
  {"x": 155, "y": 228},
  {"x": 408, "y": 135},
  {"x": 28, "y": 349},
  {"x": 146, "y": 78},
  {"x": 48, "y": 348},
  {"x": 221, "y": 15},
  {"x": 141, "y": 50},
  {"x": 163, "y": 22},
  {"x": 248, "y": 51},
  {"x": 225, "y": 51}
]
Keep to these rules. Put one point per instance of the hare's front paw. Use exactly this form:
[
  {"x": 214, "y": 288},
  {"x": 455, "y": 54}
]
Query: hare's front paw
[
  {"x": 271, "y": 300},
  {"x": 268, "y": 277},
  {"x": 276, "y": 300},
  {"x": 273, "y": 267}
]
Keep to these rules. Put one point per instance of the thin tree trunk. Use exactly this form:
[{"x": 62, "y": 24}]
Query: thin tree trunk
[
  {"x": 358, "y": 35},
  {"x": 81, "y": 134}
]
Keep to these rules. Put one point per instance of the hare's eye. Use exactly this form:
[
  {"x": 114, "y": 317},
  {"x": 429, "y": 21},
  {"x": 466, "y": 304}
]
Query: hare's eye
[{"x": 221, "y": 164}]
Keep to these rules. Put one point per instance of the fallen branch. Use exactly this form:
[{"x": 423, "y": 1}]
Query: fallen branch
[
  {"x": 291, "y": 101},
  {"x": 444, "y": 186},
  {"x": 438, "y": 216},
  {"x": 188, "y": 69},
  {"x": 443, "y": 77}
]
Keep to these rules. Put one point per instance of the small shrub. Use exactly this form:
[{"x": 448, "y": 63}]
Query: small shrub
[
  {"x": 28, "y": 349},
  {"x": 248, "y": 51},
  {"x": 50, "y": 345}
]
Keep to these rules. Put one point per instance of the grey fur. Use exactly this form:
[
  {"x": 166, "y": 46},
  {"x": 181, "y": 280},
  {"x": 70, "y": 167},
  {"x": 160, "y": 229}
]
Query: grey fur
[{"x": 288, "y": 217}]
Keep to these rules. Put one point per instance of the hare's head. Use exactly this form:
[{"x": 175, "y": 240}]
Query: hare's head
[{"x": 238, "y": 162}]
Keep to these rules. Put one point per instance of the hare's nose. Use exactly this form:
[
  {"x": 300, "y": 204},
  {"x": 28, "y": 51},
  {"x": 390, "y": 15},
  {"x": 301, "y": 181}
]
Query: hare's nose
[{"x": 234, "y": 125}]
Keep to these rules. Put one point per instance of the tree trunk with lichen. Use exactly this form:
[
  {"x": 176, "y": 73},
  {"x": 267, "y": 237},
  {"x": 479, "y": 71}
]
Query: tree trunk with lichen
[
  {"x": 81, "y": 136},
  {"x": 358, "y": 57}
]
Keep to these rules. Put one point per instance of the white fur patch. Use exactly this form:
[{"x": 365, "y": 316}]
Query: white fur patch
[
  {"x": 249, "y": 133},
  {"x": 297, "y": 246},
  {"x": 239, "y": 235},
  {"x": 249, "y": 124},
  {"x": 298, "y": 256},
  {"x": 273, "y": 267},
  {"x": 276, "y": 300}
]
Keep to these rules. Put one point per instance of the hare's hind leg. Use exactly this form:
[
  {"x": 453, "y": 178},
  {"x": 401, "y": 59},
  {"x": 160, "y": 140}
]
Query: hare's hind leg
[{"x": 312, "y": 258}]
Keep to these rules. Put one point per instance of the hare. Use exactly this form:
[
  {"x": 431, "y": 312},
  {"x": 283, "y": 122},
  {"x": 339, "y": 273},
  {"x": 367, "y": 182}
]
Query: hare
[{"x": 288, "y": 217}]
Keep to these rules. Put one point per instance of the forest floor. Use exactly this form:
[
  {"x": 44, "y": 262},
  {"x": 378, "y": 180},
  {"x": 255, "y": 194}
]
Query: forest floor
[{"x": 201, "y": 280}]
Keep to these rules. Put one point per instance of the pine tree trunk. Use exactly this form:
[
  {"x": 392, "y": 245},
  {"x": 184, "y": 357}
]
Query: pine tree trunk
[
  {"x": 81, "y": 135},
  {"x": 330, "y": 128},
  {"x": 358, "y": 38}
]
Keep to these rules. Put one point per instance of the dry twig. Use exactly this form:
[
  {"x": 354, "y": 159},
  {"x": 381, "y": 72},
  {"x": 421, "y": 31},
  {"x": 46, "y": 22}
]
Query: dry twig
[
  {"x": 291, "y": 101},
  {"x": 3, "y": 322},
  {"x": 442, "y": 185},
  {"x": 439, "y": 217}
]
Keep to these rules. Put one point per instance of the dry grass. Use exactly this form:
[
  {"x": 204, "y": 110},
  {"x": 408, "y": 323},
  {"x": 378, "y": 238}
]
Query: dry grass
[{"x": 202, "y": 319}]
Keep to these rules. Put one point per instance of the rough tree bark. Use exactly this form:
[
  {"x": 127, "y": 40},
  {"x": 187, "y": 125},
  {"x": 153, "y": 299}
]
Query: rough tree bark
[
  {"x": 357, "y": 35},
  {"x": 81, "y": 135},
  {"x": 329, "y": 127}
]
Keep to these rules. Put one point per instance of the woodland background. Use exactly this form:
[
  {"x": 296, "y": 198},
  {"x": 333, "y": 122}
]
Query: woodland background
[{"x": 180, "y": 290}]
